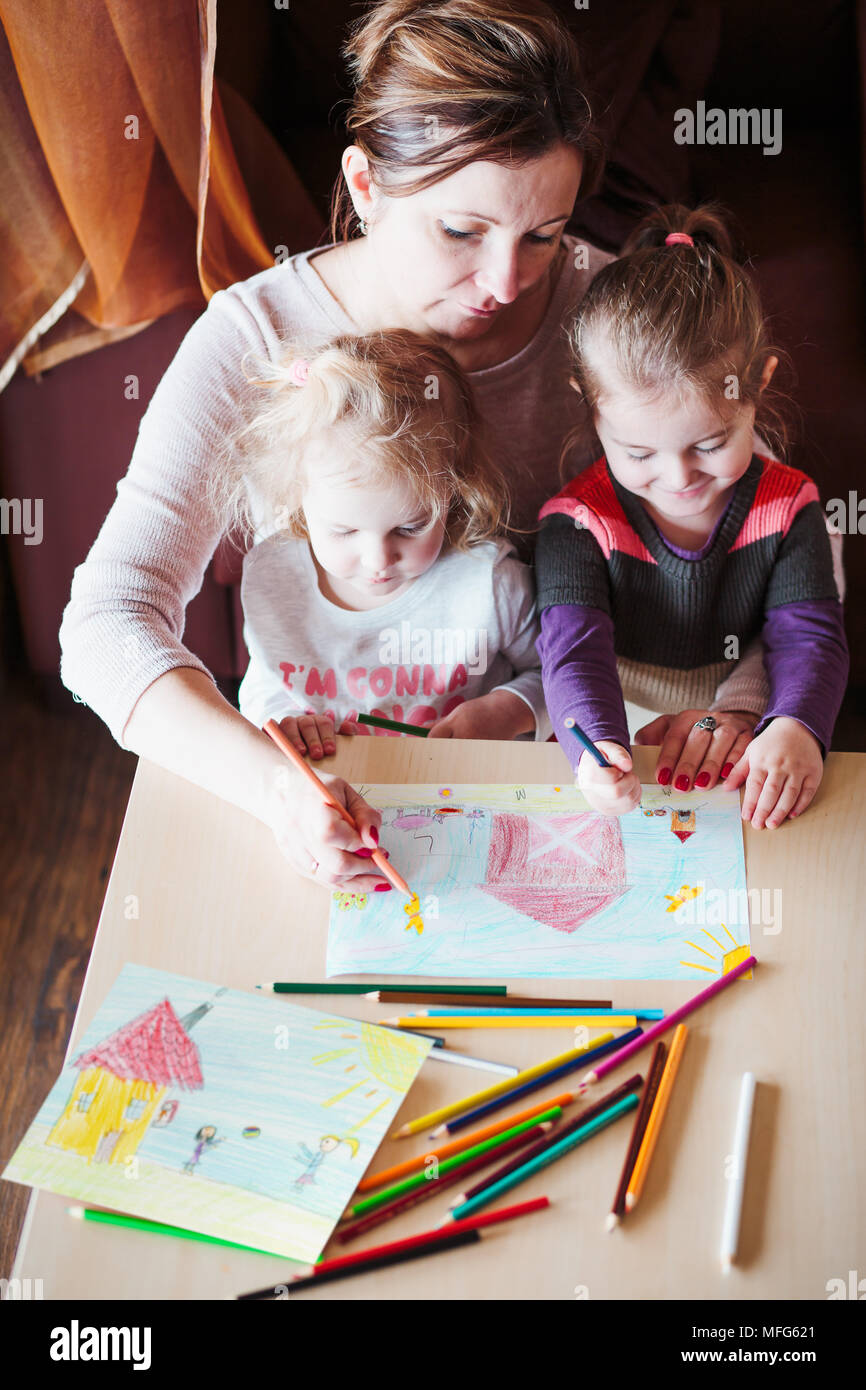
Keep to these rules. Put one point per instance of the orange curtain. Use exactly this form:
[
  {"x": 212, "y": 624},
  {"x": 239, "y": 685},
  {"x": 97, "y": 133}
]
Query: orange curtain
[{"x": 121, "y": 198}]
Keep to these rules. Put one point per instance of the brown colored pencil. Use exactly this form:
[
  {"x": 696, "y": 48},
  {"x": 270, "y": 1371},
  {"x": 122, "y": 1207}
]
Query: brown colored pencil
[
  {"x": 365, "y": 1223},
  {"x": 633, "y": 1084},
  {"x": 486, "y": 1001},
  {"x": 654, "y": 1076}
]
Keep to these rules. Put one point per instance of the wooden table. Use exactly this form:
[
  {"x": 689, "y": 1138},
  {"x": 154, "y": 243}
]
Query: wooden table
[{"x": 215, "y": 901}]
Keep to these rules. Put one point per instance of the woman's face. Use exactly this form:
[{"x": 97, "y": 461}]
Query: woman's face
[{"x": 451, "y": 258}]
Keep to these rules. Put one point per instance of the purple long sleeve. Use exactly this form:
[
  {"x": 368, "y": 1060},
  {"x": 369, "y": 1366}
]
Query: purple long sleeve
[
  {"x": 578, "y": 664},
  {"x": 806, "y": 656}
]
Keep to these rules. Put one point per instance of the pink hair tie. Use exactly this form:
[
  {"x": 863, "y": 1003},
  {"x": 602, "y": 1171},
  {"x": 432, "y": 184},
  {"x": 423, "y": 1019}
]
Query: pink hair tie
[
  {"x": 678, "y": 239},
  {"x": 299, "y": 371}
]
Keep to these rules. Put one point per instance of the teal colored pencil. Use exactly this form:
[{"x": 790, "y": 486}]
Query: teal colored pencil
[
  {"x": 472, "y": 1012},
  {"x": 397, "y": 1189},
  {"x": 379, "y": 723},
  {"x": 587, "y": 743},
  {"x": 309, "y": 987},
  {"x": 550, "y": 1155}
]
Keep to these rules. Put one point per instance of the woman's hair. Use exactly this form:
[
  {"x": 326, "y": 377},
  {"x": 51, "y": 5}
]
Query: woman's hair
[
  {"x": 440, "y": 84},
  {"x": 412, "y": 419},
  {"x": 678, "y": 318}
]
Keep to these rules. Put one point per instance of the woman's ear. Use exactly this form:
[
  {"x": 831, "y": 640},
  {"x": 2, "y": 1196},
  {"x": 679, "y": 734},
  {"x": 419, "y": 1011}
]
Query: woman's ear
[
  {"x": 575, "y": 385},
  {"x": 767, "y": 374},
  {"x": 356, "y": 172}
]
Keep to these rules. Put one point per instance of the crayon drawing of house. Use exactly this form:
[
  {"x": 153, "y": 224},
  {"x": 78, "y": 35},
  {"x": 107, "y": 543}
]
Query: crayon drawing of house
[
  {"x": 561, "y": 870},
  {"x": 123, "y": 1080}
]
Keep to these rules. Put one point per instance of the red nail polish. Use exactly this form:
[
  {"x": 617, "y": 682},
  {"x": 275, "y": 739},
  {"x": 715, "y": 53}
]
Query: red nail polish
[
  {"x": 663, "y": 776},
  {"x": 374, "y": 834},
  {"x": 363, "y": 853},
  {"x": 702, "y": 779},
  {"x": 382, "y": 888},
  {"x": 682, "y": 783},
  {"x": 727, "y": 769}
]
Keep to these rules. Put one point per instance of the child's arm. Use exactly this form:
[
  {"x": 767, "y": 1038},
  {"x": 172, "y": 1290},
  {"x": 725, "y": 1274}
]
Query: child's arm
[{"x": 806, "y": 655}]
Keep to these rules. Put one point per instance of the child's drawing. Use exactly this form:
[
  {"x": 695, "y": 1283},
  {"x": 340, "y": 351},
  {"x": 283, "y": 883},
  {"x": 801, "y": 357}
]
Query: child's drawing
[
  {"x": 146, "y": 1115},
  {"x": 529, "y": 881}
]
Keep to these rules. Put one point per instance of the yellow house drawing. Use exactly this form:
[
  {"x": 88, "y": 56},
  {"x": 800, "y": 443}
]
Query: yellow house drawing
[{"x": 122, "y": 1081}]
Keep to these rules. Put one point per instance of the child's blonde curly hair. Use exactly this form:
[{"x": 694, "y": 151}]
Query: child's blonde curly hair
[{"x": 412, "y": 418}]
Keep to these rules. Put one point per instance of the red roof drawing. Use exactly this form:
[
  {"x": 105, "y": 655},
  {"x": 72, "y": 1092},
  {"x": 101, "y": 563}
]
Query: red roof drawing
[{"x": 153, "y": 1047}]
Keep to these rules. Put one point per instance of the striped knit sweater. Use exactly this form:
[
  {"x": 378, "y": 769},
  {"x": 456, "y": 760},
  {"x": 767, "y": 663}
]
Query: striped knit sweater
[{"x": 674, "y": 615}]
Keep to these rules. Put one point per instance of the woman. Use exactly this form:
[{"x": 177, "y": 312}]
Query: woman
[{"x": 472, "y": 140}]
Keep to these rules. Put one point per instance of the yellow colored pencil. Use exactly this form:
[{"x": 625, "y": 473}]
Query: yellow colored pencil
[
  {"x": 498, "y": 1089},
  {"x": 657, "y": 1114},
  {"x": 537, "y": 1021}
]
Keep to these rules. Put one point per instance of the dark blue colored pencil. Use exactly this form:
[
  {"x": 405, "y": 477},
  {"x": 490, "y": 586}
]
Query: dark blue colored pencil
[
  {"x": 588, "y": 1058},
  {"x": 587, "y": 743}
]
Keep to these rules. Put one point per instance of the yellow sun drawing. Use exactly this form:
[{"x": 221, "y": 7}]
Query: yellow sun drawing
[
  {"x": 389, "y": 1060},
  {"x": 730, "y": 958}
]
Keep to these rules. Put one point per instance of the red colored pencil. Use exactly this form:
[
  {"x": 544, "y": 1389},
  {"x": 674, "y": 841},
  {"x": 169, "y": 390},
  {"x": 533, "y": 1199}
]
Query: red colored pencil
[{"x": 654, "y": 1076}]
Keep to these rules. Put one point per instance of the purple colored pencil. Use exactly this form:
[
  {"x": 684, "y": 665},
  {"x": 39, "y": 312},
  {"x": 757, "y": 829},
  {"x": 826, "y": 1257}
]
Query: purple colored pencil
[{"x": 588, "y": 1058}]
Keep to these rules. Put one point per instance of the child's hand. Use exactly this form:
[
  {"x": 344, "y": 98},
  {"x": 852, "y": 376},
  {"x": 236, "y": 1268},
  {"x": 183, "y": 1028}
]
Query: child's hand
[
  {"x": 691, "y": 757},
  {"x": 314, "y": 837},
  {"x": 311, "y": 733},
  {"x": 782, "y": 769},
  {"x": 611, "y": 790},
  {"x": 500, "y": 714}
]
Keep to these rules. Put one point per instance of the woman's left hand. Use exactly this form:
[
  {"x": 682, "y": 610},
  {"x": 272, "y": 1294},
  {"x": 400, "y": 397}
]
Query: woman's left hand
[{"x": 691, "y": 757}]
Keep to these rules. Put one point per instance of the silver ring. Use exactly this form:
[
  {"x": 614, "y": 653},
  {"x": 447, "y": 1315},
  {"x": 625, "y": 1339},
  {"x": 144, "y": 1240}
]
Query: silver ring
[{"x": 708, "y": 723}]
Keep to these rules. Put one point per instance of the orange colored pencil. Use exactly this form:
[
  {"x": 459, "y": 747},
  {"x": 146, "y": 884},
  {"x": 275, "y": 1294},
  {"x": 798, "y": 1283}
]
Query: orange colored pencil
[
  {"x": 274, "y": 732},
  {"x": 654, "y": 1123},
  {"x": 466, "y": 1141}
]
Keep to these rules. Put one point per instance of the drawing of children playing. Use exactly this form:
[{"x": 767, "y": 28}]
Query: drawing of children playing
[
  {"x": 205, "y": 1139},
  {"x": 313, "y": 1161}
]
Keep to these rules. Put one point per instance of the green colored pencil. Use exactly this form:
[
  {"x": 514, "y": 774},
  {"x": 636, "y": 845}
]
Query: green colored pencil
[
  {"x": 394, "y": 724},
  {"x": 387, "y": 1194},
  {"x": 288, "y": 987},
  {"x": 137, "y": 1223},
  {"x": 550, "y": 1155}
]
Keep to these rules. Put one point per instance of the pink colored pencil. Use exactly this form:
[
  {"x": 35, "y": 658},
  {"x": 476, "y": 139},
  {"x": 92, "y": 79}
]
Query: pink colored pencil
[{"x": 664, "y": 1024}]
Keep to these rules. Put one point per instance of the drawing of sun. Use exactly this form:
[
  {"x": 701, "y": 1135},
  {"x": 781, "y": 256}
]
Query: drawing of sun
[
  {"x": 730, "y": 958},
  {"x": 445, "y": 791},
  {"x": 387, "y": 1059}
]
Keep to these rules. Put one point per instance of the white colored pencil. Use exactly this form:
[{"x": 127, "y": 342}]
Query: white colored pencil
[
  {"x": 734, "y": 1203},
  {"x": 441, "y": 1054}
]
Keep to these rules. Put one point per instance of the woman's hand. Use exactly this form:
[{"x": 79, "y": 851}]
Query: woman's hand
[
  {"x": 501, "y": 714},
  {"x": 611, "y": 790},
  {"x": 782, "y": 769},
  {"x": 316, "y": 840},
  {"x": 691, "y": 757},
  {"x": 310, "y": 733}
]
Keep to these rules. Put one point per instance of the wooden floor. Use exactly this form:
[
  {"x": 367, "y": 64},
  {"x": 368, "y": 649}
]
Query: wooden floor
[{"x": 65, "y": 788}]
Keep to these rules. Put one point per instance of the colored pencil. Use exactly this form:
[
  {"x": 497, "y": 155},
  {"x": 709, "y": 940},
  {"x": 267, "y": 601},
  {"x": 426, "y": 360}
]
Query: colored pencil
[
  {"x": 600, "y": 1048},
  {"x": 587, "y": 743},
  {"x": 623, "y": 1053},
  {"x": 460, "y": 1059},
  {"x": 456, "y": 1107},
  {"x": 275, "y": 733},
  {"x": 359, "y": 1227},
  {"x": 556, "y": 1151},
  {"x": 656, "y": 1117},
  {"x": 654, "y": 1076},
  {"x": 634, "y": 1083},
  {"x": 455, "y": 1010},
  {"x": 466, "y": 1141},
  {"x": 518, "y": 1021},
  {"x": 448, "y": 1165},
  {"x": 428, "y": 1242},
  {"x": 380, "y": 723},
  {"x": 437, "y": 991},
  {"x": 138, "y": 1223},
  {"x": 734, "y": 1203},
  {"x": 464, "y": 1237},
  {"x": 466, "y": 998}
]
